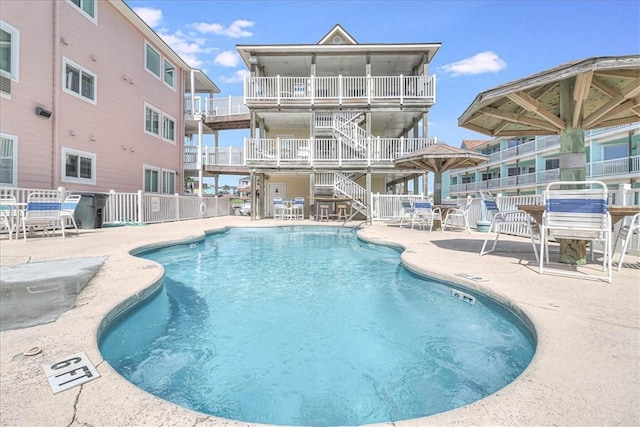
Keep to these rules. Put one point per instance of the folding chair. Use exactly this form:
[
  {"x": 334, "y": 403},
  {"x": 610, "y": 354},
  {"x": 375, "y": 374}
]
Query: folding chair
[
  {"x": 576, "y": 210},
  {"x": 507, "y": 221}
]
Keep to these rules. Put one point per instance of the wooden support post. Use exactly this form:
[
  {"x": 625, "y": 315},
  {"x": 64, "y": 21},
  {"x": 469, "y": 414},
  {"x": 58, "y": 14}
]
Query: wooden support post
[{"x": 573, "y": 166}]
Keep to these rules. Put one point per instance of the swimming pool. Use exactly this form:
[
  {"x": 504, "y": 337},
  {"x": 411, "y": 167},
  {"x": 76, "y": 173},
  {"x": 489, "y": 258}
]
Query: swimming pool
[{"x": 306, "y": 326}]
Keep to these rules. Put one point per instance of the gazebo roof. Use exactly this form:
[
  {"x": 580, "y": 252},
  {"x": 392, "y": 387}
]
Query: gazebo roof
[
  {"x": 606, "y": 93},
  {"x": 440, "y": 157}
]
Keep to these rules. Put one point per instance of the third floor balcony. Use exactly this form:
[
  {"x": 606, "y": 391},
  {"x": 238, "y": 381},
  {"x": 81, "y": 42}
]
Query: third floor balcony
[{"x": 340, "y": 90}]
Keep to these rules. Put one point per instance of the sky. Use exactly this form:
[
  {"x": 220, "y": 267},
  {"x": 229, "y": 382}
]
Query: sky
[{"x": 484, "y": 43}]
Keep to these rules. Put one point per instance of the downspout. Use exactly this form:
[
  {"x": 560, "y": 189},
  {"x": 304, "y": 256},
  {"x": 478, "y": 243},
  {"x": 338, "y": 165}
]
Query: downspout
[
  {"x": 181, "y": 180},
  {"x": 56, "y": 177}
]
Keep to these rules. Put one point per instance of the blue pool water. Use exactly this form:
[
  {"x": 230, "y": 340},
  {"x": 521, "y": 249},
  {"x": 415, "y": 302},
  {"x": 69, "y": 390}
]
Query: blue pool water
[{"x": 306, "y": 326}]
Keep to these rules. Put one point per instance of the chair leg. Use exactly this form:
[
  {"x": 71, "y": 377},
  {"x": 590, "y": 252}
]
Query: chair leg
[
  {"x": 625, "y": 243},
  {"x": 482, "y": 251}
]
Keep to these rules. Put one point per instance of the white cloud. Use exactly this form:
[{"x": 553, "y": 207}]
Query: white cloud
[
  {"x": 227, "y": 58},
  {"x": 151, "y": 16},
  {"x": 483, "y": 62},
  {"x": 235, "y": 30},
  {"x": 188, "y": 50},
  {"x": 238, "y": 76}
]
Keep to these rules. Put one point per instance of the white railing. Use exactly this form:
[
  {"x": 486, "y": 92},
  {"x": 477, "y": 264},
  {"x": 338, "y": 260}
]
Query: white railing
[
  {"x": 206, "y": 106},
  {"x": 374, "y": 150},
  {"x": 340, "y": 89},
  {"x": 140, "y": 207},
  {"x": 621, "y": 166},
  {"x": 149, "y": 208},
  {"x": 221, "y": 156},
  {"x": 387, "y": 206}
]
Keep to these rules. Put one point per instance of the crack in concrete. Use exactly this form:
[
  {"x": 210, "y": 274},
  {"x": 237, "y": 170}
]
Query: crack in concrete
[{"x": 75, "y": 407}]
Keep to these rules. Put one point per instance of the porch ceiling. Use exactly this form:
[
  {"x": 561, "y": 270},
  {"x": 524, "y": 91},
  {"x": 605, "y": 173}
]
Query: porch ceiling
[
  {"x": 390, "y": 124},
  {"x": 347, "y": 60}
]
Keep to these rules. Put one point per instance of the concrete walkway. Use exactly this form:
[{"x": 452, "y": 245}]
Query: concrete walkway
[{"x": 586, "y": 370}]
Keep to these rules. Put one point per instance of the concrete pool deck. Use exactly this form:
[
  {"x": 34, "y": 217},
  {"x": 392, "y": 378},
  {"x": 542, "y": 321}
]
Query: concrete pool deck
[{"x": 586, "y": 370}]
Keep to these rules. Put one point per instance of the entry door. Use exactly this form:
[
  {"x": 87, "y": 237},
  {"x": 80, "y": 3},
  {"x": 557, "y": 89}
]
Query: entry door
[{"x": 276, "y": 189}]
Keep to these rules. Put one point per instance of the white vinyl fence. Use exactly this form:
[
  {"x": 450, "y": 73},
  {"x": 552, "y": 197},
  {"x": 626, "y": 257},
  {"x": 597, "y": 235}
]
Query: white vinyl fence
[{"x": 141, "y": 207}]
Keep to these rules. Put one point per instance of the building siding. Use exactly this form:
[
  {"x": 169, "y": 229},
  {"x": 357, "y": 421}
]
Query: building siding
[{"x": 113, "y": 128}]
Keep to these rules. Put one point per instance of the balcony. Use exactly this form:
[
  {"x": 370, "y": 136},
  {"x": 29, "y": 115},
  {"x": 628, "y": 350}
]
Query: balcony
[
  {"x": 340, "y": 90},
  {"x": 306, "y": 153},
  {"x": 200, "y": 106}
]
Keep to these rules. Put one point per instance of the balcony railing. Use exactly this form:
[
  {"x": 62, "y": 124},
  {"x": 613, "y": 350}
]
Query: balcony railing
[
  {"x": 330, "y": 151},
  {"x": 340, "y": 89},
  {"x": 623, "y": 166},
  {"x": 307, "y": 152},
  {"x": 524, "y": 180},
  {"x": 208, "y": 107}
]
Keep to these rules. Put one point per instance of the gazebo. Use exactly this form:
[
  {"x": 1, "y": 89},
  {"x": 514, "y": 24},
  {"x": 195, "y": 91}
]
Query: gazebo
[{"x": 565, "y": 101}]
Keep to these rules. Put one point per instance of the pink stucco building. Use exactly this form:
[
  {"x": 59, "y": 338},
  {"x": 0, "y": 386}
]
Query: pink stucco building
[{"x": 91, "y": 99}]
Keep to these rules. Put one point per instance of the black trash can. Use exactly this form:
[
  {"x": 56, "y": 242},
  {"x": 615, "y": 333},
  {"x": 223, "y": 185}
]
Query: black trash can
[{"x": 90, "y": 210}]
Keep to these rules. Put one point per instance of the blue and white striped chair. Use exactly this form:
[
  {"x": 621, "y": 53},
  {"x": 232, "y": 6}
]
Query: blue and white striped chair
[
  {"x": 576, "y": 210},
  {"x": 425, "y": 215},
  {"x": 297, "y": 209},
  {"x": 507, "y": 221},
  {"x": 68, "y": 209},
  {"x": 279, "y": 209},
  {"x": 43, "y": 210}
]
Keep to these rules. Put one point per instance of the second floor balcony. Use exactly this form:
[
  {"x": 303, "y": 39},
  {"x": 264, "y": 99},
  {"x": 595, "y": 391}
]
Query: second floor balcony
[
  {"x": 307, "y": 153},
  {"x": 340, "y": 90}
]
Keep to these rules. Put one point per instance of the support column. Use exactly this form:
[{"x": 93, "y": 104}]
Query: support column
[
  {"x": 573, "y": 167},
  {"x": 368, "y": 180},
  {"x": 254, "y": 199}
]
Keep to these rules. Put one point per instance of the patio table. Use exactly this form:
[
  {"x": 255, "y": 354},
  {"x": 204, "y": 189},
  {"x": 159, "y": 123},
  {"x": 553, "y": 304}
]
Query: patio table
[{"x": 617, "y": 213}]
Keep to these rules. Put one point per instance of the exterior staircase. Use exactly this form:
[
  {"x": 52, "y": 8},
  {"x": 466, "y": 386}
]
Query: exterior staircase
[
  {"x": 346, "y": 127},
  {"x": 340, "y": 185}
]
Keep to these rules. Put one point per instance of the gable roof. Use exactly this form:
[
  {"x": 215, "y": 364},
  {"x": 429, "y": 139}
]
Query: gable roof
[
  {"x": 470, "y": 144},
  {"x": 337, "y": 31}
]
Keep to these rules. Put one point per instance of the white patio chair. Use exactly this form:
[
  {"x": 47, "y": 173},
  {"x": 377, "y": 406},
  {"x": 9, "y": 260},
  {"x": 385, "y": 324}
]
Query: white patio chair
[
  {"x": 405, "y": 214},
  {"x": 44, "y": 210},
  {"x": 68, "y": 209},
  {"x": 576, "y": 214},
  {"x": 279, "y": 209},
  {"x": 297, "y": 210},
  {"x": 626, "y": 234},
  {"x": 425, "y": 215},
  {"x": 459, "y": 213},
  {"x": 9, "y": 213},
  {"x": 507, "y": 221}
]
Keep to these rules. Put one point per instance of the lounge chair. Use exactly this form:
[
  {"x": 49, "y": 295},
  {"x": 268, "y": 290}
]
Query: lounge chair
[
  {"x": 504, "y": 220},
  {"x": 405, "y": 214},
  {"x": 576, "y": 214}
]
